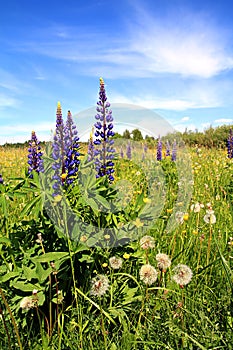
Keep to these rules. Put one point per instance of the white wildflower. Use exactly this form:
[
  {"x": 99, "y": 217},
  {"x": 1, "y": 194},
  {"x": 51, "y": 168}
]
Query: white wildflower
[
  {"x": 147, "y": 242},
  {"x": 210, "y": 218},
  {"x": 27, "y": 303},
  {"x": 163, "y": 261},
  {"x": 180, "y": 217},
  {"x": 148, "y": 274},
  {"x": 115, "y": 262},
  {"x": 99, "y": 285},
  {"x": 182, "y": 274}
]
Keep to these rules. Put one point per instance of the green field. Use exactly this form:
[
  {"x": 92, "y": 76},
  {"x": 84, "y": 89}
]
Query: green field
[{"x": 61, "y": 290}]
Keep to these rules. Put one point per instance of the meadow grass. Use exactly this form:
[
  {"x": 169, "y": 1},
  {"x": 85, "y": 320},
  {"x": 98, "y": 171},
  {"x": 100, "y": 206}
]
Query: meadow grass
[{"x": 55, "y": 271}]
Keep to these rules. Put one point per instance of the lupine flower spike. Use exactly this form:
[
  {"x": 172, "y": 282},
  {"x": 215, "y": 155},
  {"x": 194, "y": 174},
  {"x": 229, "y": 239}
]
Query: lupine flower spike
[
  {"x": 129, "y": 151},
  {"x": 168, "y": 153},
  {"x": 1, "y": 179},
  {"x": 230, "y": 145},
  {"x": 104, "y": 151},
  {"x": 174, "y": 151},
  {"x": 35, "y": 161},
  {"x": 91, "y": 147},
  {"x": 72, "y": 157},
  {"x": 159, "y": 150},
  {"x": 59, "y": 152}
]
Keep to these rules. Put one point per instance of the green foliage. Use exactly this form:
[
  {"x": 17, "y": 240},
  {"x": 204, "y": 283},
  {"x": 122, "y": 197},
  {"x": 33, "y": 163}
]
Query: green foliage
[
  {"x": 137, "y": 135},
  {"x": 51, "y": 249}
]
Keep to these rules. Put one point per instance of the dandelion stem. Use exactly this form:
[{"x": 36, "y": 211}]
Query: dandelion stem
[
  {"x": 103, "y": 327},
  {"x": 209, "y": 245}
]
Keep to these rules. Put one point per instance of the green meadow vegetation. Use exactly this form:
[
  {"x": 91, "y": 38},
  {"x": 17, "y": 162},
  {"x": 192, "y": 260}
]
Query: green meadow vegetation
[
  {"x": 58, "y": 291},
  {"x": 122, "y": 244}
]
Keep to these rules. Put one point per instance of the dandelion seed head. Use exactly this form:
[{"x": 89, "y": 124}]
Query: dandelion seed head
[
  {"x": 148, "y": 274},
  {"x": 147, "y": 242},
  {"x": 163, "y": 260},
  {"x": 210, "y": 218},
  {"x": 179, "y": 217},
  {"x": 182, "y": 274},
  {"x": 99, "y": 285},
  {"x": 26, "y": 303},
  {"x": 115, "y": 262}
]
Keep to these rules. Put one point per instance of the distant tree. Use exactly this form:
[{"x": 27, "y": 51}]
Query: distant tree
[
  {"x": 117, "y": 136},
  {"x": 137, "y": 135},
  {"x": 126, "y": 134}
]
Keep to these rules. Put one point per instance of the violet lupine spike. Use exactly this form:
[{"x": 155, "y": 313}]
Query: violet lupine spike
[
  {"x": 72, "y": 156},
  {"x": 159, "y": 150},
  {"x": 1, "y": 179},
  {"x": 35, "y": 161},
  {"x": 129, "y": 150},
  {"x": 174, "y": 151},
  {"x": 168, "y": 149},
  {"x": 122, "y": 153},
  {"x": 104, "y": 151},
  {"x": 230, "y": 145},
  {"x": 60, "y": 149},
  {"x": 90, "y": 151}
]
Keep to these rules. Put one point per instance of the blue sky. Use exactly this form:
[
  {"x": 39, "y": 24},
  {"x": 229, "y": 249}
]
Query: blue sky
[{"x": 172, "y": 57}]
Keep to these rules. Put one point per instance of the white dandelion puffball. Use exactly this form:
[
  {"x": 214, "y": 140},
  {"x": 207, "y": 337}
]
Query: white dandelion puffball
[
  {"x": 147, "y": 242},
  {"x": 163, "y": 261},
  {"x": 182, "y": 274},
  {"x": 99, "y": 285},
  {"x": 115, "y": 263},
  {"x": 148, "y": 274}
]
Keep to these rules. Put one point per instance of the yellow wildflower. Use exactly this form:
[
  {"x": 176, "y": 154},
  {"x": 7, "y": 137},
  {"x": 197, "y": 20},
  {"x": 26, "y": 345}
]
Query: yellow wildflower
[
  {"x": 146, "y": 200},
  {"x": 138, "y": 223},
  {"x": 126, "y": 256}
]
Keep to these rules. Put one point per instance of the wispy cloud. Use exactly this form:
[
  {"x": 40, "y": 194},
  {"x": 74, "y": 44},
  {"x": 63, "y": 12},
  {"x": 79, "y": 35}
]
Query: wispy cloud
[
  {"x": 223, "y": 121},
  {"x": 185, "y": 119},
  {"x": 20, "y": 128},
  {"x": 157, "y": 102},
  {"x": 188, "y": 46},
  {"x": 7, "y": 101}
]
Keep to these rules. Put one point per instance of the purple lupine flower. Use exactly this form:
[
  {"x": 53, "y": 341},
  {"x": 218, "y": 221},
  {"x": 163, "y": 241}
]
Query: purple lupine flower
[
  {"x": 168, "y": 152},
  {"x": 59, "y": 153},
  {"x": 35, "y": 161},
  {"x": 72, "y": 156},
  {"x": 174, "y": 151},
  {"x": 1, "y": 179},
  {"x": 129, "y": 150},
  {"x": 145, "y": 148},
  {"x": 230, "y": 145},
  {"x": 159, "y": 149},
  {"x": 90, "y": 150},
  {"x": 104, "y": 151},
  {"x": 122, "y": 153}
]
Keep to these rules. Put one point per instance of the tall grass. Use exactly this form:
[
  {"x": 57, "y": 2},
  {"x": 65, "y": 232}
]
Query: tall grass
[{"x": 55, "y": 271}]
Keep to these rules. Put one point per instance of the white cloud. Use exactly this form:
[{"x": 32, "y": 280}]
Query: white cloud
[
  {"x": 7, "y": 101},
  {"x": 185, "y": 119},
  {"x": 156, "y": 102},
  {"x": 184, "y": 45},
  {"x": 182, "y": 127},
  {"x": 223, "y": 120},
  {"x": 26, "y": 129}
]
